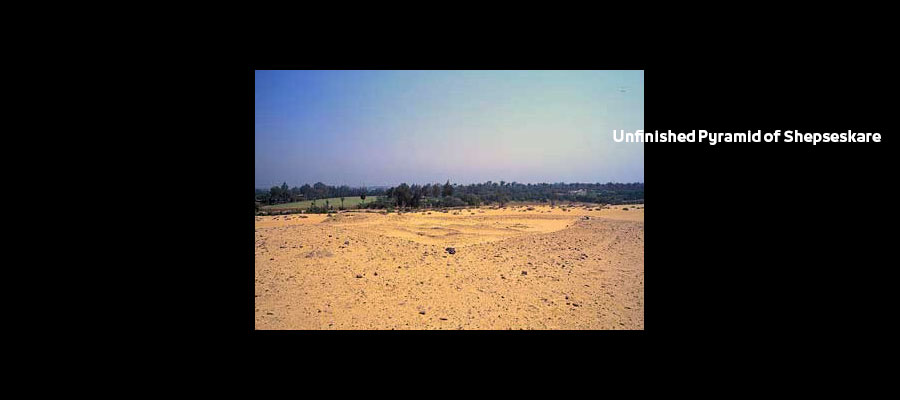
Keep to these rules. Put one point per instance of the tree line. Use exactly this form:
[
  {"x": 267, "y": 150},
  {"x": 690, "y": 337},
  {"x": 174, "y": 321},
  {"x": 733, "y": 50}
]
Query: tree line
[
  {"x": 319, "y": 190},
  {"x": 434, "y": 195}
]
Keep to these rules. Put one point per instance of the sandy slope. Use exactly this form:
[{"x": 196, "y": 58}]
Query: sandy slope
[{"x": 513, "y": 269}]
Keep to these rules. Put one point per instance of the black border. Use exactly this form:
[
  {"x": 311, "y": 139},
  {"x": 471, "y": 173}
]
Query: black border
[{"x": 750, "y": 247}]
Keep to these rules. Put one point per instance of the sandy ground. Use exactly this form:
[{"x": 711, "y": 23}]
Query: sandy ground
[{"x": 513, "y": 269}]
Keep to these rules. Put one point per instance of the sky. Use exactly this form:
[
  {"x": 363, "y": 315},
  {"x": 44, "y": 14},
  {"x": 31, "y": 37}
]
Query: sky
[{"x": 378, "y": 128}]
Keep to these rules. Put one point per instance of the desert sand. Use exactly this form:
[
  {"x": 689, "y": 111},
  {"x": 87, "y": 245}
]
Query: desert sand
[{"x": 546, "y": 268}]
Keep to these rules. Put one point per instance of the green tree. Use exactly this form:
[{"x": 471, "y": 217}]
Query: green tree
[
  {"x": 342, "y": 202},
  {"x": 416, "y": 195},
  {"x": 448, "y": 189},
  {"x": 275, "y": 193},
  {"x": 285, "y": 192},
  {"x": 403, "y": 194},
  {"x": 321, "y": 190},
  {"x": 471, "y": 199},
  {"x": 307, "y": 191}
]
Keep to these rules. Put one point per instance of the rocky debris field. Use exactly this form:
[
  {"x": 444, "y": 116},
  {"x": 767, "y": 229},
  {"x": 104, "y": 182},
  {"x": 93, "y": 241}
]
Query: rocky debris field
[{"x": 533, "y": 267}]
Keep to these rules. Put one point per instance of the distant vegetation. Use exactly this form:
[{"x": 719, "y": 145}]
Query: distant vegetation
[
  {"x": 324, "y": 198},
  {"x": 283, "y": 194},
  {"x": 349, "y": 202}
]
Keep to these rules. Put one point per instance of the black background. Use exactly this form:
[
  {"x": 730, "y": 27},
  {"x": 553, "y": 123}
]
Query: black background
[
  {"x": 748, "y": 245},
  {"x": 765, "y": 240}
]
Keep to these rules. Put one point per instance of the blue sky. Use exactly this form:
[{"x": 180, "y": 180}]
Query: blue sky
[{"x": 388, "y": 127}]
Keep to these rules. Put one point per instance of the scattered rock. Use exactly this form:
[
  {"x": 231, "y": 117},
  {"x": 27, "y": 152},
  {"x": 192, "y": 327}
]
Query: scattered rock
[
  {"x": 524, "y": 272},
  {"x": 422, "y": 312},
  {"x": 451, "y": 250},
  {"x": 347, "y": 242},
  {"x": 320, "y": 253},
  {"x": 358, "y": 276}
]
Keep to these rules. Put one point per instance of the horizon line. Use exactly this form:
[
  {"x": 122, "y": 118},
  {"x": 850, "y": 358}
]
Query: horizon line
[{"x": 451, "y": 182}]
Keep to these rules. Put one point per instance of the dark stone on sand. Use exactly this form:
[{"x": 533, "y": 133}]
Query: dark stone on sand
[{"x": 451, "y": 250}]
